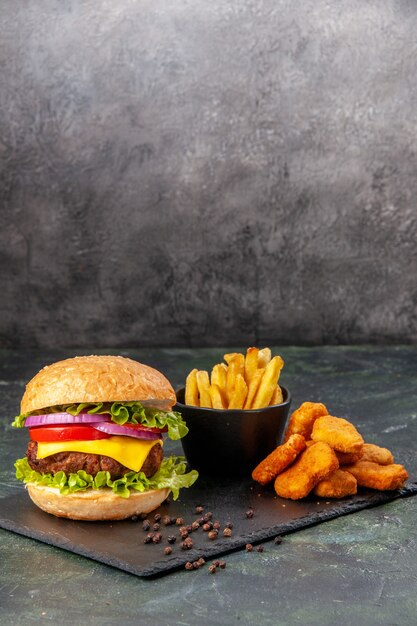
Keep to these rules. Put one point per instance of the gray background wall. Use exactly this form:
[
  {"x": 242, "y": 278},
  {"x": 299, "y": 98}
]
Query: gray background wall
[{"x": 191, "y": 173}]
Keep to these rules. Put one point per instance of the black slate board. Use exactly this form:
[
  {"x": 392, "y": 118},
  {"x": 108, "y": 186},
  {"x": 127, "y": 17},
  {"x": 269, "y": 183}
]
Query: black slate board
[{"x": 120, "y": 544}]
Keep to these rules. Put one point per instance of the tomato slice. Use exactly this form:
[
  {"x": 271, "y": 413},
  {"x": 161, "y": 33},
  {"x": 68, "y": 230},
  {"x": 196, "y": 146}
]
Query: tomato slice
[{"x": 60, "y": 432}]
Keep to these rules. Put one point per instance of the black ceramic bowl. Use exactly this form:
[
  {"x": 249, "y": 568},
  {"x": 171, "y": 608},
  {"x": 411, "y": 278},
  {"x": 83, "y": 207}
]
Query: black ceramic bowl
[{"x": 231, "y": 442}]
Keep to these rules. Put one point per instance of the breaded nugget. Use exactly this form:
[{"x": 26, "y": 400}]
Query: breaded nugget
[
  {"x": 338, "y": 485},
  {"x": 279, "y": 459},
  {"x": 313, "y": 465},
  {"x": 376, "y": 454},
  {"x": 381, "y": 477},
  {"x": 347, "y": 458},
  {"x": 302, "y": 419},
  {"x": 340, "y": 434}
]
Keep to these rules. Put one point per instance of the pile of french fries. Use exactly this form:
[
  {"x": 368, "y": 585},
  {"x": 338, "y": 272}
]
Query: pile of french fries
[{"x": 245, "y": 381}]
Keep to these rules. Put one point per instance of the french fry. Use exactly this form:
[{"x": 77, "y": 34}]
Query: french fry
[
  {"x": 268, "y": 383},
  {"x": 276, "y": 396},
  {"x": 238, "y": 397},
  {"x": 236, "y": 367},
  {"x": 217, "y": 401},
  {"x": 251, "y": 364},
  {"x": 229, "y": 356},
  {"x": 191, "y": 389},
  {"x": 264, "y": 357},
  {"x": 253, "y": 387},
  {"x": 203, "y": 383},
  {"x": 219, "y": 375}
]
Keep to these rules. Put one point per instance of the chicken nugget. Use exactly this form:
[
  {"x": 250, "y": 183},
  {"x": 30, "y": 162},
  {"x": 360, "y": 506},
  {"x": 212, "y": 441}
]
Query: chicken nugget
[
  {"x": 302, "y": 419},
  {"x": 279, "y": 459},
  {"x": 313, "y": 465},
  {"x": 376, "y": 454},
  {"x": 347, "y": 458},
  {"x": 340, "y": 434},
  {"x": 338, "y": 485},
  {"x": 380, "y": 477}
]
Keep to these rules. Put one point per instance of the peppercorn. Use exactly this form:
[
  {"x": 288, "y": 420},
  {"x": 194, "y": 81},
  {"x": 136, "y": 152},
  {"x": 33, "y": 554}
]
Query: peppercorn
[
  {"x": 157, "y": 538},
  {"x": 199, "y": 509},
  {"x": 157, "y": 517},
  {"x": 146, "y": 524},
  {"x": 168, "y": 550},
  {"x": 179, "y": 521},
  {"x": 148, "y": 538},
  {"x": 222, "y": 564},
  {"x": 156, "y": 527},
  {"x": 259, "y": 549},
  {"x": 167, "y": 520},
  {"x": 216, "y": 525},
  {"x": 207, "y": 516},
  {"x": 207, "y": 526},
  {"x": 278, "y": 540},
  {"x": 196, "y": 564},
  {"x": 189, "y": 565},
  {"x": 227, "y": 532},
  {"x": 183, "y": 532},
  {"x": 229, "y": 525},
  {"x": 212, "y": 569},
  {"x": 195, "y": 526},
  {"x": 187, "y": 544},
  {"x": 212, "y": 534},
  {"x": 171, "y": 539},
  {"x": 249, "y": 547},
  {"x": 134, "y": 518},
  {"x": 201, "y": 561},
  {"x": 249, "y": 513}
]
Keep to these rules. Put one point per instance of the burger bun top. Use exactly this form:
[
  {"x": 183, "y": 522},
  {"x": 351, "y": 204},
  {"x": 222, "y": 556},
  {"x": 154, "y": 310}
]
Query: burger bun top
[{"x": 97, "y": 379}]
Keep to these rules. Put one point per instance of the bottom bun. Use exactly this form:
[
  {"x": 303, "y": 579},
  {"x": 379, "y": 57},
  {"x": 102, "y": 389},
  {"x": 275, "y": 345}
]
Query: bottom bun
[{"x": 95, "y": 504}]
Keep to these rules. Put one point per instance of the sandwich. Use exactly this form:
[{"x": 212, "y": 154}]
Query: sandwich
[{"x": 96, "y": 426}]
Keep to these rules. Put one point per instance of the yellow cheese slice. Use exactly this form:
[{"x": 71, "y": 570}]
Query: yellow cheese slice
[{"x": 128, "y": 451}]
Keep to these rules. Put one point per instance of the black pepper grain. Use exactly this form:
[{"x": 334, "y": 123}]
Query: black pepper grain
[
  {"x": 146, "y": 524},
  {"x": 227, "y": 532},
  {"x": 168, "y": 550},
  {"x": 189, "y": 565},
  {"x": 157, "y": 517},
  {"x": 249, "y": 547},
  {"x": 187, "y": 544},
  {"x": 213, "y": 534},
  {"x": 249, "y": 513},
  {"x": 171, "y": 539},
  {"x": 199, "y": 509},
  {"x": 259, "y": 549},
  {"x": 278, "y": 540}
]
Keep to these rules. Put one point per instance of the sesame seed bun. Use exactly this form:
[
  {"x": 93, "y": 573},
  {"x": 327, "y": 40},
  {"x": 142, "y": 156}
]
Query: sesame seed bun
[{"x": 97, "y": 379}]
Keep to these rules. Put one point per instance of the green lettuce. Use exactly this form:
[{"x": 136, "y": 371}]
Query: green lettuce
[
  {"x": 121, "y": 413},
  {"x": 171, "y": 474}
]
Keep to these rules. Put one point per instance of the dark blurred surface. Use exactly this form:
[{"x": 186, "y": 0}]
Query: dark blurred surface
[
  {"x": 176, "y": 173},
  {"x": 357, "y": 569}
]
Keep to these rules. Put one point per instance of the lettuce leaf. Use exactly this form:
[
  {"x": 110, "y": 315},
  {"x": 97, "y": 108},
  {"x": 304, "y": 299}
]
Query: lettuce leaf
[
  {"x": 172, "y": 474},
  {"x": 121, "y": 413}
]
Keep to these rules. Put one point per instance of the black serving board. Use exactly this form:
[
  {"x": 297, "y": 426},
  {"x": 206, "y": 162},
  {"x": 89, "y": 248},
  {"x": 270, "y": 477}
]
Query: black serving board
[{"x": 121, "y": 545}]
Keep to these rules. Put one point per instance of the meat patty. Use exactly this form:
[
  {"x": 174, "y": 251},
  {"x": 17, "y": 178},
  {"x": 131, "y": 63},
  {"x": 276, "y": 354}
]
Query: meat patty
[{"x": 71, "y": 462}]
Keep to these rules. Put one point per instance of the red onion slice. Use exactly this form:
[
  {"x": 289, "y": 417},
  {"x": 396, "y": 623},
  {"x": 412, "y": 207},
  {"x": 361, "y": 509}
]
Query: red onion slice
[
  {"x": 65, "y": 418},
  {"x": 115, "y": 429}
]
